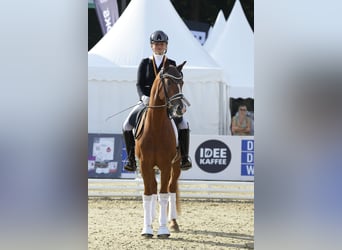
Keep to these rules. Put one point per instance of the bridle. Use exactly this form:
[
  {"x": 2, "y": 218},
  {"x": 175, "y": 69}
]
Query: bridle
[{"x": 169, "y": 101}]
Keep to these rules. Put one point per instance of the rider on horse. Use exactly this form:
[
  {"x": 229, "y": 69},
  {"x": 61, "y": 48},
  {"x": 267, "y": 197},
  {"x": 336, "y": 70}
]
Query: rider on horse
[{"x": 147, "y": 72}]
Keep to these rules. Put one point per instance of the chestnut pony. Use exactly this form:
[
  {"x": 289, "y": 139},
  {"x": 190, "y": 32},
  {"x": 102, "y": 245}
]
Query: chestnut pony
[{"x": 156, "y": 148}]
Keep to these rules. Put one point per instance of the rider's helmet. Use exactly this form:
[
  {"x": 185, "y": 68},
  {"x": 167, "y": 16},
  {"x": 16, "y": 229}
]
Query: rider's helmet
[{"x": 158, "y": 36}]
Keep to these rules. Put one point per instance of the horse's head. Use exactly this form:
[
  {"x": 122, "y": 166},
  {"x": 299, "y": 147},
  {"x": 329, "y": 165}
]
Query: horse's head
[{"x": 172, "y": 83}]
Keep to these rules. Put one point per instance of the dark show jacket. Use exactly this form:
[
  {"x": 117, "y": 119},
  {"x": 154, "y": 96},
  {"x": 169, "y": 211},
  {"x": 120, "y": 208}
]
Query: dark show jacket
[{"x": 146, "y": 75}]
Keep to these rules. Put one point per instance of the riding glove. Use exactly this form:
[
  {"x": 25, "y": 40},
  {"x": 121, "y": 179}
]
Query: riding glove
[{"x": 145, "y": 99}]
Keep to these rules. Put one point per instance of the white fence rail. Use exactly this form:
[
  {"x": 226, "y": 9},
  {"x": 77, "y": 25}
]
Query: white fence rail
[{"x": 188, "y": 189}]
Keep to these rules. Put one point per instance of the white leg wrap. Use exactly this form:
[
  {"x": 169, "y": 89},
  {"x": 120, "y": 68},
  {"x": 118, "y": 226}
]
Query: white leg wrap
[
  {"x": 172, "y": 206},
  {"x": 163, "y": 200},
  {"x": 147, "y": 229},
  {"x": 153, "y": 206}
]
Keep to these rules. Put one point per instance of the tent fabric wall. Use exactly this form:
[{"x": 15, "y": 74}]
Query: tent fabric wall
[{"x": 107, "y": 97}]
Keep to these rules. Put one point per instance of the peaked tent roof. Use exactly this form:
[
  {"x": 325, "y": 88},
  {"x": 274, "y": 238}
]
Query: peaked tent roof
[
  {"x": 216, "y": 31},
  {"x": 234, "y": 51},
  {"x": 128, "y": 40}
]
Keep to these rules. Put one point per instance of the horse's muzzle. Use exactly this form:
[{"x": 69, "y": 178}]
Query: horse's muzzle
[
  {"x": 177, "y": 109},
  {"x": 177, "y": 105}
]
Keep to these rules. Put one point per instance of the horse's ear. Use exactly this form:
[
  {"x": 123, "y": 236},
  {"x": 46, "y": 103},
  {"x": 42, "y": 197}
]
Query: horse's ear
[{"x": 180, "y": 67}]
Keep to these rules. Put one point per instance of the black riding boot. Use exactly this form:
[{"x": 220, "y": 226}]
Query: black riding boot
[
  {"x": 184, "y": 139},
  {"x": 130, "y": 149}
]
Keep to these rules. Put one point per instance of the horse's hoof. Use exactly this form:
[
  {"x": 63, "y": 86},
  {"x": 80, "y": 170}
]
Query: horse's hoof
[
  {"x": 147, "y": 232},
  {"x": 147, "y": 236},
  {"x": 163, "y": 232},
  {"x": 163, "y": 236},
  {"x": 174, "y": 226}
]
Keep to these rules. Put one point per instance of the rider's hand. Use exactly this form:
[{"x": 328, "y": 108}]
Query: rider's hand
[{"x": 145, "y": 99}]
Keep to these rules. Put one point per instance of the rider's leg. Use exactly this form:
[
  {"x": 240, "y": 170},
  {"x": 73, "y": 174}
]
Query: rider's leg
[
  {"x": 130, "y": 149},
  {"x": 184, "y": 140},
  {"x": 129, "y": 139}
]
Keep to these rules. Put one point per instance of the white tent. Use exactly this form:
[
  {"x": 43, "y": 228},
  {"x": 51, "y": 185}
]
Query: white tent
[
  {"x": 216, "y": 31},
  {"x": 112, "y": 85},
  {"x": 234, "y": 52}
]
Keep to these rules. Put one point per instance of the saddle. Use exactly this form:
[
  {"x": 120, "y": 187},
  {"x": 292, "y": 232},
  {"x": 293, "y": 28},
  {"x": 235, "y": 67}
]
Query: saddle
[{"x": 139, "y": 123}]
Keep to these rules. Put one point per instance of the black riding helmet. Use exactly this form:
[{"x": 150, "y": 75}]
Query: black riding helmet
[{"x": 158, "y": 36}]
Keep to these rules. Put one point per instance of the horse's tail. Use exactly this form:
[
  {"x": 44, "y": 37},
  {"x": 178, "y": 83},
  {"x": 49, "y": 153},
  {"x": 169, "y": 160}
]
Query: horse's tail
[{"x": 178, "y": 206}]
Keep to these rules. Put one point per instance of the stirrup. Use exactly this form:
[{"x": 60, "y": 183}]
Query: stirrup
[
  {"x": 130, "y": 166},
  {"x": 185, "y": 164}
]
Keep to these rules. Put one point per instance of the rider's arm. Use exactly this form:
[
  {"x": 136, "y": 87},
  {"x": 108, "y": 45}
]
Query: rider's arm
[{"x": 141, "y": 78}]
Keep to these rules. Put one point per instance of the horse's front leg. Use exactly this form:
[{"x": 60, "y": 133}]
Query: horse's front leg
[
  {"x": 150, "y": 186},
  {"x": 154, "y": 198},
  {"x": 163, "y": 231},
  {"x": 147, "y": 228}
]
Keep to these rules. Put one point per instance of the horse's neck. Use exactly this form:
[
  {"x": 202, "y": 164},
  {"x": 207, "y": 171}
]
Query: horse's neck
[
  {"x": 158, "y": 102},
  {"x": 157, "y": 118},
  {"x": 157, "y": 113}
]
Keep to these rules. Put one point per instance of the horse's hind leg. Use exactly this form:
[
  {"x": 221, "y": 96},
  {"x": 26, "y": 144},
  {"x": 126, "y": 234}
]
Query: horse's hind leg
[
  {"x": 173, "y": 204},
  {"x": 173, "y": 188},
  {"x": 173, "y": 213}
]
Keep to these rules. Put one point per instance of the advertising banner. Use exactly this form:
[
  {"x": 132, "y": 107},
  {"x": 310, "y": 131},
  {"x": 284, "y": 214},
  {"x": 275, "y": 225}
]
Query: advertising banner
[
  {"x": 216, "y": 157},
  {"x": 107, "y": 13},
  {"x": 104, "y": 155}
]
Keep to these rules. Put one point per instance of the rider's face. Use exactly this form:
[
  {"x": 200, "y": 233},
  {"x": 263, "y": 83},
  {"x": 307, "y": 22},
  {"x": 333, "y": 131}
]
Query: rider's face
[{"x": 159, "y": 48}]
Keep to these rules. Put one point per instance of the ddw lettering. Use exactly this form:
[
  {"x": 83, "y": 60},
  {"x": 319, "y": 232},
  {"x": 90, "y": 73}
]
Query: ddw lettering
[
  {"x": 250, "y": 157},
  {"x": 250, "y": 169},
  {"x": 250, "y": 145}
]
